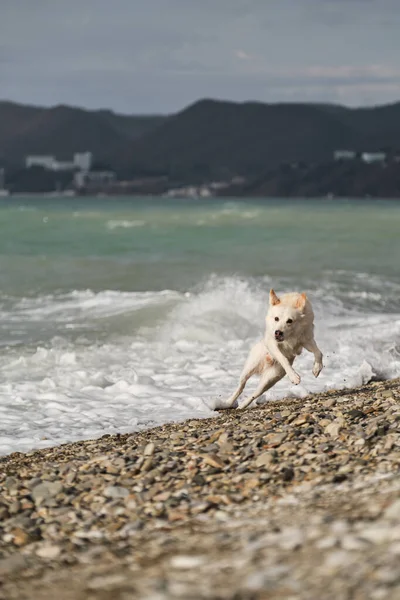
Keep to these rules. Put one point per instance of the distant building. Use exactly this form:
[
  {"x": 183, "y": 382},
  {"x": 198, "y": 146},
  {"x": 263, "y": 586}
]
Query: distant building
[
  {"x": 85, "y": 178},
  {"x": 344, "y": 155},
  {"x": 63, "y": 165},
  {"x": 46, "y": 161},
  {"x": 83, "y": 160},
  {"x": 373, "y": 157},
  {"x": 3, "y": 190}
]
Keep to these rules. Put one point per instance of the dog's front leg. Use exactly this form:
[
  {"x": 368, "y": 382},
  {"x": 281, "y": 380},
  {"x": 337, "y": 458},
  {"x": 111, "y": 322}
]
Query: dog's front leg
[
  {"x": 285, "y": 364},
  {"x": 311, "y": 346}
]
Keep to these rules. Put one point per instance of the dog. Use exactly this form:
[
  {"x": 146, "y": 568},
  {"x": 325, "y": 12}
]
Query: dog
[{"x": 289, "y": 329}]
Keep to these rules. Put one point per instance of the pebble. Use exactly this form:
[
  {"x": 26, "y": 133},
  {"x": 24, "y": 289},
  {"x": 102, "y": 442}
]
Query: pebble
[
  {"x": 244, "y": 503},
  {"x": 264, "y": 459},
  {"x": 12, "y": 564},
  {"x": 46, "y": 490},
  {"x": 376, "y": 534},
  {"x": 48, "y": 551},
  {"x": 393, "y": 511},
  {"x": 115, "y": 491},
  {"x": 186, "y": 562},
  {"x": 106, "y": 583},
  {"x": 149, "y": 449}
]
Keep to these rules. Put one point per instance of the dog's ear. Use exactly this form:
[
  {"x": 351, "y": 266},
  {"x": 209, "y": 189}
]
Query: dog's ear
[
  {"x": 301, "y": 301},
  {"x": 273, "y": 298}
]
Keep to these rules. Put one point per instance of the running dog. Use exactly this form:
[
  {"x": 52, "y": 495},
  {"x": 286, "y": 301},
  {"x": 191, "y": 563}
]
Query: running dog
[{"x": 289, "y": 329}]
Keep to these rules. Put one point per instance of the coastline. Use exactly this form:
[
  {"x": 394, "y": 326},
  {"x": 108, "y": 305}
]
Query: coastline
[{"x": 297, "y": 498}]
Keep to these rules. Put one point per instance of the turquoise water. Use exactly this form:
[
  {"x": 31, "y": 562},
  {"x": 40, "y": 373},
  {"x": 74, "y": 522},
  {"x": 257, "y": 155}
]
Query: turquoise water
[
  {"x": 122, "y": 312},
  {"x": 144, "y": 244}
]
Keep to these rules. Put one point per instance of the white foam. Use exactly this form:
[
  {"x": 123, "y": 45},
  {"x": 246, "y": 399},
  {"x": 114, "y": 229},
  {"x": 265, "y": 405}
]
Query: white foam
[
  {"x": 124, "y": 224},
  {"x": 173, "y": 367}
]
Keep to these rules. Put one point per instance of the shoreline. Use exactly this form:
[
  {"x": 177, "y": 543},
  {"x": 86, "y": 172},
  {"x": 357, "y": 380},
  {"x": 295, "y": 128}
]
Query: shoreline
[
  {"x": 215, "y": 414},
  {"x": 295, "y": 498},
  {"x": 230, "y": 196}
]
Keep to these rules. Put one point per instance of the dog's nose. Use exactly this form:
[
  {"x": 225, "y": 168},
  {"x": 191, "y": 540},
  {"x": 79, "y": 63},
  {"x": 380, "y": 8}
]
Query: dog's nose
[{"x": 278, "y": 333}]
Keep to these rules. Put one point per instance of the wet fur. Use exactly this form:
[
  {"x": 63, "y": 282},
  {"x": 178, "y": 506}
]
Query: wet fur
[{"x": 272, "y": 359}]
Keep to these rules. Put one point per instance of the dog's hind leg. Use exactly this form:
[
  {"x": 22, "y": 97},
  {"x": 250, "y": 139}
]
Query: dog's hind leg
[
  {"x": 252, "y": 365},
  {"x": 268, "y": 378},
  {"x": 245, "y": 376}
]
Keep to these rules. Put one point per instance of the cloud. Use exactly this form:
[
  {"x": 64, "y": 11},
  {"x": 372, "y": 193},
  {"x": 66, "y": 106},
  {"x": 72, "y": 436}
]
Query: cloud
[
  {"x": 241, "y": 55},
  {"x": 157, "y": 56}
]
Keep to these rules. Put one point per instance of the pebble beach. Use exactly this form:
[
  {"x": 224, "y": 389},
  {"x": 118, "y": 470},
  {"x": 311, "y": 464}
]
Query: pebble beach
[{"x": 295, "y": 499}]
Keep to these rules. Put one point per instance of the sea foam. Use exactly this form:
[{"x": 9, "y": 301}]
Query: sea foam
[{"x": 114, "y": 361}]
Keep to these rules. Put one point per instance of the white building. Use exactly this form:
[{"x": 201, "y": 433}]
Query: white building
[
  {"x": 63, "y": 165},
  {"x": 345, "y": 155},
  {"x": 46, "y": 161},
  {"x": 83, "y": 160},
  {"x": 373, "y": 157},
  {"x": 83, "y": 178}
]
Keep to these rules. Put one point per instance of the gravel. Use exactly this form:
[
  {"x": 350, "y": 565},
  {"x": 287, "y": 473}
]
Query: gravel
[{"x": 295, "y": 499}]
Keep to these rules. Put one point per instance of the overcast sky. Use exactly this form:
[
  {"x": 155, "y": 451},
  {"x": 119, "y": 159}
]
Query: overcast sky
[{"x": 147, "y": 56}]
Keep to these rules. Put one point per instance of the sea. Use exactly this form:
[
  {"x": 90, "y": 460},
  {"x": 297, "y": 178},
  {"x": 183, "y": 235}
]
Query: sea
[{"x": 118, "y": 314}]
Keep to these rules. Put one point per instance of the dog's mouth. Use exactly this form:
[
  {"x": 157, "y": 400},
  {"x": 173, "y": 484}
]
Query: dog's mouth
[{"x": 279, "y": 336}]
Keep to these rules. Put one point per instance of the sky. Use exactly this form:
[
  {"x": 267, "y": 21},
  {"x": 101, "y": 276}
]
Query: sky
[{"x": 158, "y": 56}]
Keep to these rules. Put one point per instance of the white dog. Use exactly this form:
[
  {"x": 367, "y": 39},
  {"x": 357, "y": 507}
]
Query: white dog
[{"x": 289, "y": 329}]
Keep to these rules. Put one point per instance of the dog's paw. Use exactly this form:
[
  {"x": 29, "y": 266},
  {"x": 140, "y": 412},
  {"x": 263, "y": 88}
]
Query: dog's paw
[
  {"x": 295, "y": 378},
  {"x": 317, "y": 369},
  {"x": 221, "y": 405}
]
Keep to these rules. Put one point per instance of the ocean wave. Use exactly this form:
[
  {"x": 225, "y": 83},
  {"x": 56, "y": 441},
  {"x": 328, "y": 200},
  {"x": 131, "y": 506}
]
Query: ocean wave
[
  {"x": 177, "y": 364},
  {"x": 123, "y": 224}
]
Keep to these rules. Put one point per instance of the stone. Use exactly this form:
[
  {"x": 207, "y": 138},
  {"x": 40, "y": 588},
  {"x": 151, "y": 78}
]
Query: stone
[
  {"x": 106, "y": 583},
  {"x": 116, "y": 492},
  {"x": 213, "y": 461},
  {"x": 360, "y": 443},
  {"x": 291, "y": 538},
  {"x": 48, "y": 551},
  {"x": 334, "y": 428},
  {"x": 45, "y": 491},
  {"x": 198, "y": 479},
  {"x": 329, "y": 403},
  {"x": 339, "y": 478},
  {"x": 262, "y": 518},
  {"x": 393, "y": 511},
  {"x": 287, "y": 474},
  {"x": 264, "y": 459},
  {"x": 350, "y": 542},
  {"x": 12, "y": 564},
  {"x": 186, "y": 562},
  {"x": 354, "y": 413},
  {"x": 327, "y": 542},
  {"x": 4, "y": 514},
  {"x": 20, "y": 537},
  {"x": 275, "y": 439},
  {"x": 149, "y": 449},
  {"x": 337, "y": 560},
  {"x": 377, "y": 534}
]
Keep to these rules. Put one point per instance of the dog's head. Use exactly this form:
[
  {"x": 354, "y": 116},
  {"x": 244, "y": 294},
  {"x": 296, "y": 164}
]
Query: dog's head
[{"x": 285, "y": 315}]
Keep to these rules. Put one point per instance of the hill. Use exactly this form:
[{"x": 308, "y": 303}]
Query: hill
[
  {"x": 63, "y": 130},
  {"x": 207, "y": 140},
  {"x": 353, "y": 179},
  {"x": 221, "y": 139}
]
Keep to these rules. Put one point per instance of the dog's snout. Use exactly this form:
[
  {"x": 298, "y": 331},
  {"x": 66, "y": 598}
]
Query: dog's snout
[{"x": 278, "y": 333}]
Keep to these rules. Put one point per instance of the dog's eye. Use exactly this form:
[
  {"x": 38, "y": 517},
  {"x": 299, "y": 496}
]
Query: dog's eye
[
  {"x": 276, "y": 318},
  {"x": 290, "y": 321}
]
